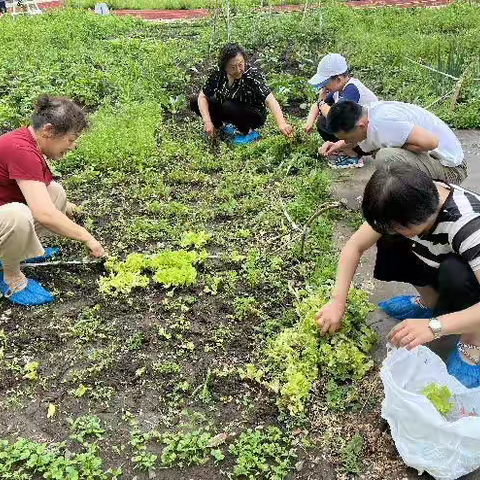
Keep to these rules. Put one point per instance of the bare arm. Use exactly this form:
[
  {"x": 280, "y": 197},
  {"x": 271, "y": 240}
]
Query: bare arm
[
  {"x": 203, "y": 107},
  {"x": 45, "y": 212},
  {"x": 312, "y": 116},
  {"x": 414, "y": 332},
  {"x": 464, "y": 321},
  {"x": 329, "y": 319},
  {"x": 421, "y": 140},
  {"x": 276, "y": 110},
  {"x": 205, "y": 113}
]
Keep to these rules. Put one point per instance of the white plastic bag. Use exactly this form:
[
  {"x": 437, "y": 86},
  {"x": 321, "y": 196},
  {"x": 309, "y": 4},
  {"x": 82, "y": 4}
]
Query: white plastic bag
[{"x": 424, "y": 438}]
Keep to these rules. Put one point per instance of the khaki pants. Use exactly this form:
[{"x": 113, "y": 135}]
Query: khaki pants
[
  {"x": 19, "y": 232},
  {"x": 423, "y": 161}
]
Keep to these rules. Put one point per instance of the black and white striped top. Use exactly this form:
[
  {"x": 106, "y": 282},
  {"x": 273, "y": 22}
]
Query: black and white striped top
[
  {"x": 456, "y": 230},
  {"x": 251, "y": 89}
]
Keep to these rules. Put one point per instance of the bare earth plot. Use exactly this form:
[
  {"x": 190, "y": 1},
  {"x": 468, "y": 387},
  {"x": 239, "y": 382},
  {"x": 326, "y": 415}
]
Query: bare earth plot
[{"x": 205, "y": 365}]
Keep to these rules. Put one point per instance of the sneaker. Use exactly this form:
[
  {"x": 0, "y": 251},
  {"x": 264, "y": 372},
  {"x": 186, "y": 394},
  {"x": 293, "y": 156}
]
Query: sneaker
[
  {"x": 405, "y": 306},
  {"x": 246, "y": 139},
  {"x": 229, "y": 130},
  {"x": 464, "y": 372},
  {"x": 343, "y": 161}
]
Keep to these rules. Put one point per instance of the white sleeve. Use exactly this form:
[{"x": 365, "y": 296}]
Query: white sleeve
[{"x": 392, "y": 133}]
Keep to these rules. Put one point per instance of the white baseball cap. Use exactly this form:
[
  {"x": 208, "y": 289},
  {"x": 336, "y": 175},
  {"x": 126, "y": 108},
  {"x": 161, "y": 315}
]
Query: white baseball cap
[{"x": 330, "y": 65}]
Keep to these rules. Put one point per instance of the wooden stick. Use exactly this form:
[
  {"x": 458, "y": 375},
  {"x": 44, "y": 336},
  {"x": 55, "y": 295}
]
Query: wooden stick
[
  {"x": 289, "y": 218},
  {"x": 459, "y": 84},
  {"x": 306, "y": 228}
]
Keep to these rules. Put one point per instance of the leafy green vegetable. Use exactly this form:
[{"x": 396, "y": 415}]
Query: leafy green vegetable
[
  {"x": 171, "y": 268},
  {"x": 440, "y": 396}
]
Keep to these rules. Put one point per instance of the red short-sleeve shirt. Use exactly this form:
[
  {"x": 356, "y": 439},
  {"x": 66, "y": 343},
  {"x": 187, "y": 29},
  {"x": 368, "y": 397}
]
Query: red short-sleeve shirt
[{"x": 20, "y": 159}]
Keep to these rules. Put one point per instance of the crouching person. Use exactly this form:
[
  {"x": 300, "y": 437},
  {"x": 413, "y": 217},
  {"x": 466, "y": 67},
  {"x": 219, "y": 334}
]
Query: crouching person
[
  {"x": 427, "y": 234},
  {"x": 235, "y": 97},
  {"x": 32, "y": 204}
]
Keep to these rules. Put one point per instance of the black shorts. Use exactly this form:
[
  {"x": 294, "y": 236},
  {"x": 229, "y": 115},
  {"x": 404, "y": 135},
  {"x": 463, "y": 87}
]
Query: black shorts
[{"x": 396, "y": 262}]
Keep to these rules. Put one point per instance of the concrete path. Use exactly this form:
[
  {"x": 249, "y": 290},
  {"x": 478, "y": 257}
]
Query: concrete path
[{"x": 349, "y": 185}]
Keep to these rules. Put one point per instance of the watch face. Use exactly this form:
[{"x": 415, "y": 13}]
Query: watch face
[{"x": 436, "y": 326}]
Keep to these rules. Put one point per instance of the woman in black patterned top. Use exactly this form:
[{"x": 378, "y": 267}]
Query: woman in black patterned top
[{"x": 237, "y": 93}]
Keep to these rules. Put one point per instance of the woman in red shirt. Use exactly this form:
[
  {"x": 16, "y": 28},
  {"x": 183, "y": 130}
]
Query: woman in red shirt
[{"x": 32, "y": 204}]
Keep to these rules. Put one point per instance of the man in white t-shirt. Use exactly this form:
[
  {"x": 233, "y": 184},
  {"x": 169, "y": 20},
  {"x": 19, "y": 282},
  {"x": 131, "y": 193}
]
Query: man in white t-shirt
[{"x": 396, "y": 131}]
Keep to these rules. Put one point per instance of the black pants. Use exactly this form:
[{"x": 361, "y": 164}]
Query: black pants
[
  {"x": 245, "y": 118},
  {"x": 454, "y": 280},
  {"x": 3, "y": 6},
  {"x": 329, "y": 137}
]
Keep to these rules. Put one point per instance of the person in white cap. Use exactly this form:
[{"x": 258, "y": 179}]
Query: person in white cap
[{"x": 335, "y": 82}]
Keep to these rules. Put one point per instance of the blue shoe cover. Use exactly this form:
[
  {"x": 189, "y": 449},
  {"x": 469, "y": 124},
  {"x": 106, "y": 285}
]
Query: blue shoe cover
[
  {"x": 465, "y": 373},
  {"x": 49, "y": 254},
  {"x": 32, "y": 294},
  {"x": 246, "y": 139},
  {"x": 230, "y": 130},
  {"x": 405, "y": 306}
]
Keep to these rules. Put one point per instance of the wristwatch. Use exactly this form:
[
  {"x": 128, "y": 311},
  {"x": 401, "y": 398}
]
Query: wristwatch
[{"x": 435, "y": 326}]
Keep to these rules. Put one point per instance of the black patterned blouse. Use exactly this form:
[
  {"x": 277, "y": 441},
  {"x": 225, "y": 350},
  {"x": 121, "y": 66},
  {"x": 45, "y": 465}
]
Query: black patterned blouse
[{"x": 252, "y": 89}]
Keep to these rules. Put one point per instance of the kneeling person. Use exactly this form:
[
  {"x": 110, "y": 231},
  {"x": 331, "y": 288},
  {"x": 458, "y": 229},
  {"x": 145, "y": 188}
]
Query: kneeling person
[
  {"x": 427, "y": 234},
  {"x": 236, "y": 93},
  {"x": 32, "y": 204},
  {"x": 337, "y": 84},
  {"x": 396, "y": 131}
]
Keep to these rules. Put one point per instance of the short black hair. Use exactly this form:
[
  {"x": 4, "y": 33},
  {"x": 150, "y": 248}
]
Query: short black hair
[
  {"x": 61, "y": 112},
  {"x": 347, "y": 73},
  {"x": 344, "y": 116},
  {"x": 399, "y": 194},
  {"x": 229, "y": 51}
]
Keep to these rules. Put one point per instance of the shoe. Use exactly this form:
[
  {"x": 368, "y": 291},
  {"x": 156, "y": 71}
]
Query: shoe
[
  {"x": 343, "y": 161},
  {"x": 405, "y": 306},
  {"x": 229, "y": 130},
  {"x": 32, "y": 294},
  {"x": 465, "y": 373},
  {"x": 246, "y": 139}
]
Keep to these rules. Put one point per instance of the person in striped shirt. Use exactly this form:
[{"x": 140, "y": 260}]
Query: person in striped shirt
[{"x": 427, "y": 234}]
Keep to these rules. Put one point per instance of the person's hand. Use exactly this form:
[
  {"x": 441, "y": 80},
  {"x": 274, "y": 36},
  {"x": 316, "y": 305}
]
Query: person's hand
[
  {"x": 309, "y": 128},
  {"x": 330, "y": 148},
  {"x": 325, "y": 93},
  {"x": 71, "y": 210},
  {"x": 325, "y": 148},
  {"x": 96, "y": 248},
  {"x": 287, "y": 129},
  {"x": 411, "y": 333},
  {"x": 210, "y": 129},
  {"x": 330, "y": 317}
]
